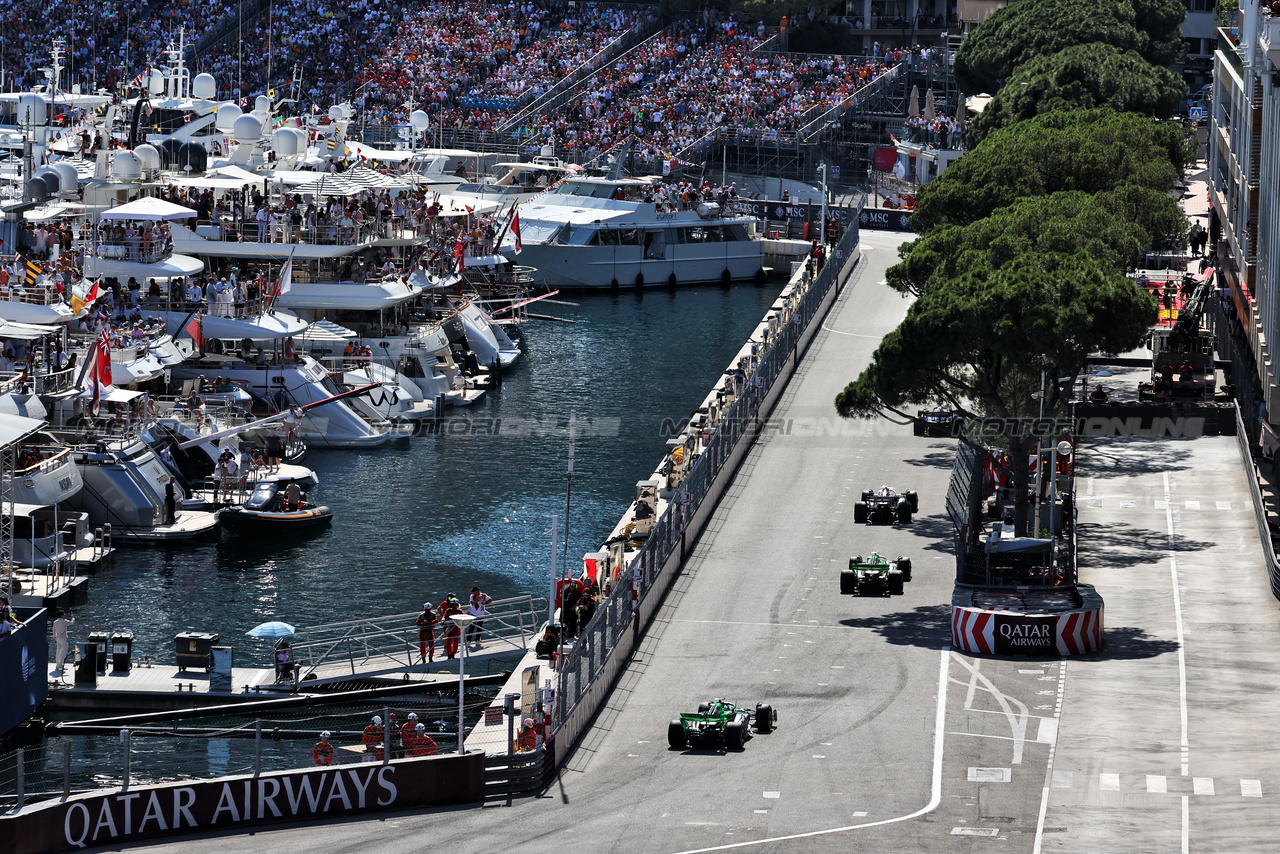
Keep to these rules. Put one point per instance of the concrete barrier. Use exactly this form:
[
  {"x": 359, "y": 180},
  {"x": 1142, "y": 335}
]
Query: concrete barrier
[
  {"x": 118, "y": 817},
  {"x": 1032, "y": 630}
]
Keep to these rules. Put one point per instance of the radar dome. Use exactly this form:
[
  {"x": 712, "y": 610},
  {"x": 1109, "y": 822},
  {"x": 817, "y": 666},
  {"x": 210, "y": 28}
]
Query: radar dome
[
  {"x": 37, "y": 190},
  {"x": 204, "y": 87},
  {"x": 52, "y": 180},
  {"x": 247, "y": 129},
  {"x": 155, "y": 82},
  {"x": 31, "y": 110},
  {"x": 284, "y": 142},
  {"x": 335, "y": 113},
  {"x": 226, "y": 118},
  {"x": 67, "y": 172},
  {"x": 262, "y": 104},
  {"x": 149, "y": 155},
  {"x": 419, "y": 120},
  {"x": 126, "y": 166},
  {"x": 192, "y": 157}
]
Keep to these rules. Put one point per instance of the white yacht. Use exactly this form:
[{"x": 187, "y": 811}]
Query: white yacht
[
  {"x": 335, "y": 424},
  {"x": 591, "y": 233}
]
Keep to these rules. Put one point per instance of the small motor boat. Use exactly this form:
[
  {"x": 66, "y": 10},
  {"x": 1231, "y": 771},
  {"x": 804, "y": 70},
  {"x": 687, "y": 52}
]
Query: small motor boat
[{"x": 274, "y": 508}]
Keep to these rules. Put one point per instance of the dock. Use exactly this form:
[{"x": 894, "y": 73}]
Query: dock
[{"x": 330, "y": 658}]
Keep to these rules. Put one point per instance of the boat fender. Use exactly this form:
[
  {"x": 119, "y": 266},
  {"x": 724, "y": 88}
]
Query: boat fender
[
  {"x": 726, "y": 277},
  {"x": 639, "y": 280},
  {"x": 671, "y": 280},
  {"x": 614, "y": 284}
]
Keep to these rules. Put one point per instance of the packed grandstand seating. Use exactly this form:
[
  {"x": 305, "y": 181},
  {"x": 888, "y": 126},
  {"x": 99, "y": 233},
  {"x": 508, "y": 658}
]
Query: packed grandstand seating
[{"x": 470, "y": 65}]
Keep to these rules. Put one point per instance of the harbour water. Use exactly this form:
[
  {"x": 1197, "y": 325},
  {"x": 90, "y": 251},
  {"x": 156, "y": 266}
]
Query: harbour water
[{"x": 468, "y": 505}]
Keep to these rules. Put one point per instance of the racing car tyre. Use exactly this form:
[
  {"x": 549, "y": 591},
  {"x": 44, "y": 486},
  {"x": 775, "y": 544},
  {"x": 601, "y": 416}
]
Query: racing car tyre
[
  {"x": 895, "y": 582},
  {"x": 703, "y": 708},
  {"x": 860, "y": 512},
  {"x": 918, "y": 427},
  {"x": 914, "y": 498},
  {"x": 675, "y": 734},
  {"x": 764, "y": 717},
  {"x": 734, "y": 737},
  {"x": 848, "y": 581},
  {"x": 904, "y": 566},
  {"x": 903, "y": 513},
  {"x": 866, "y": 496}
]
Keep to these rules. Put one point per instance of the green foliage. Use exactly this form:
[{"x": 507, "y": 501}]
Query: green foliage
[
  {"x": 1062, "y": 223},
  {"x": 1081, "y": 77},
  {"x": 1087, "y": 150},
  {"x": 972, "y": 341},
  {"x": 1027, "y": 29}
]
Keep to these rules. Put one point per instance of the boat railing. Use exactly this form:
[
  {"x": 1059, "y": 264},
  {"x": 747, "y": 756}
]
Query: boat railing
[
  {"x": 53, "y": 381},
  {"x": 36, "y": 459},
  {"x": 368, "y": 646},
  {"x": 321, "y": 234},
  {"x": 41, "y": 293},
  {"x": 136, "y": 249}
]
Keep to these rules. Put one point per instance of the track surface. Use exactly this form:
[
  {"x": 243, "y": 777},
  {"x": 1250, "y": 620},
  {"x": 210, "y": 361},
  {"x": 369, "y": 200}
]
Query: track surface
[{"x": 887, "y": 741}]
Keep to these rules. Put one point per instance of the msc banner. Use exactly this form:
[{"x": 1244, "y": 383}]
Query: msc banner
[
  {"x": 24, "y": 669},
  {"x": 801, "y": 211},
  {"x": 885, "y": 219},
  {"x": 232, "y": 802}
]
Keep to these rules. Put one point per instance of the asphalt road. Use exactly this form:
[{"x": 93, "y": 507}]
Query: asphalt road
[{"x": 886, "y": 740}]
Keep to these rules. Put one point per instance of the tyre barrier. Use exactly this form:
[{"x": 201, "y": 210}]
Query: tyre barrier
[{"x": 1027, "y": 630}]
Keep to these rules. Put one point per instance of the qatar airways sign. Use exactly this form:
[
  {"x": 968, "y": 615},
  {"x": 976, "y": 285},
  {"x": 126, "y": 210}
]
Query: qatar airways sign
[{"x": 108, "y": 819}]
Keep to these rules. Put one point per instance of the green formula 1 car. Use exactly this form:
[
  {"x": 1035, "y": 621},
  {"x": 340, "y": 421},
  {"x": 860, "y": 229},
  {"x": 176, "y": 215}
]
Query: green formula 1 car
[
  {"x": 875, "y": 576},
  {"x": 719, "y": 722}
]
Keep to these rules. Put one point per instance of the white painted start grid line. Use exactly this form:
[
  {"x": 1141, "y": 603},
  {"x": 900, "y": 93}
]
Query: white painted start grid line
[
  {"x": 1157, "y": 784},
  {"x": 1062, "y": 779},
  {"x": 975, "y": 831},
  {"x": 1202, "y": 785},
  {"x": 1250, "y": 788},
  {"x": 990, "y": 775},
  {"x": 1109, "y": 782}
]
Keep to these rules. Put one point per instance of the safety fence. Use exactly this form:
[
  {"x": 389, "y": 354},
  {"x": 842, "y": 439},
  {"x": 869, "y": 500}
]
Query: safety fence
[
  {"x": 140, "y": 750},
  {"x": 588, "y": 670}
]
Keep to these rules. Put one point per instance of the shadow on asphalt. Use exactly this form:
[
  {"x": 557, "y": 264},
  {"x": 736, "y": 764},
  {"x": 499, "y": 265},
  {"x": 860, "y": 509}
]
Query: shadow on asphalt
[
  {"x": 926, "y": 626},
  {"x": 1119, "y": 544},
  {"x": 943, "y": 458},
  {"x": 1130, "y": 643},
  {"x": 937, "y": 532},
  {"x": 1135, "y": 455}
]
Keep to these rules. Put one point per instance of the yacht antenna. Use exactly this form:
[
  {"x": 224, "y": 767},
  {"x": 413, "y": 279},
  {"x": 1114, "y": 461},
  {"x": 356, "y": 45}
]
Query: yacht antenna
[
  {"x": 555, "y": 575},
  {"x": 568, "y": 489}
]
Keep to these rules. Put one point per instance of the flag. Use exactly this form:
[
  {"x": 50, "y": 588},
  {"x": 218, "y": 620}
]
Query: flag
[
  {"x": 33, "y": 272},
  {"x": 333, "y": 144},
  {"x": 195, "y": 328},
  {"x": 515, "y": 230},
  {"x": 668, "y": 166},
  {"x": 460, "y": 253},
  {"x": 101, "y": 370},
  {"x": 78, "y": 305},
  {"x": 285, "y": 282}
]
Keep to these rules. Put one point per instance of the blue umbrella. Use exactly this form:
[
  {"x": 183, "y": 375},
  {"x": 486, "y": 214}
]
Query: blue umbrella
[{"x": 273, "y": 629}]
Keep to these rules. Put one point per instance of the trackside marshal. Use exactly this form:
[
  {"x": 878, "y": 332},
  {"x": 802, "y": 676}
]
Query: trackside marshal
[{"x": 84, "y": 821}]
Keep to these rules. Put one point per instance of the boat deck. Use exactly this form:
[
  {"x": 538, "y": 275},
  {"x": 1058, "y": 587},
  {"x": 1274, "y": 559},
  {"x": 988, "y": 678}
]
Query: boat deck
[{"x": 187, "y": 525}]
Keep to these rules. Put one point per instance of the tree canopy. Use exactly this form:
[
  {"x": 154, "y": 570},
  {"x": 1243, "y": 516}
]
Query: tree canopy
[
  {"x": 1027, "y": 29},
  {"x": 1061, "y": 223},
  {"x": 963, "y": 340},
  {"x": 1082, "y": 76},
  {"x": 1090, "y": 151}
]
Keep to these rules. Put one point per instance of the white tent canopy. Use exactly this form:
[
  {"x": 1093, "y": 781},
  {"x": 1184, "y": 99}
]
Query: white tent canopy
[{"x": 150, "y": 209}]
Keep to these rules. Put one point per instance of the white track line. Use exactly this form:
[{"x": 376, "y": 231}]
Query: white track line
[
  {"x": 939, "y": 733},
  {"x": 1182, "y": 653}
]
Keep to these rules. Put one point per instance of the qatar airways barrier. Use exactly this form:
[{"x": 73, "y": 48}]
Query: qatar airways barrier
[
  {"x": 115, "y": 817},
  {"x": 1077, "y": 631}
]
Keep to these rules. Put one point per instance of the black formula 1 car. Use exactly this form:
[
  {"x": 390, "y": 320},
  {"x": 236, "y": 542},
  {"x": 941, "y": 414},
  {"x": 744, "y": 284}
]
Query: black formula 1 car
[
  {"x": 875, "y": 576},
  {"x": 886, "y": 507},
  {"x": 937, "y": 422},
  {"x": 720, "y": 723}
]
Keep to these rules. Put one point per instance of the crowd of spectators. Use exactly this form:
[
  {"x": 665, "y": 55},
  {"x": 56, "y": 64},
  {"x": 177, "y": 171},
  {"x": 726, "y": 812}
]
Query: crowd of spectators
[
  {"x": 694, "y": 79},
  {"x": 472, "y": 64}
]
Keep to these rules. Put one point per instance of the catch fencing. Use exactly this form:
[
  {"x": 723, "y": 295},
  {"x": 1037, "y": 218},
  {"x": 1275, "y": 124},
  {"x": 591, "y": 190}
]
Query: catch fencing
[{"x": 587, "y": 672}]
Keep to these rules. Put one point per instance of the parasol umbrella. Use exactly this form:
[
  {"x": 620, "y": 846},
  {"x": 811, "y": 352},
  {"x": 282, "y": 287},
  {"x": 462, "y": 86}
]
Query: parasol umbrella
[
  {"x": 913, "y": 106},
  {"x": 929, "y": 113},
  {"x": 273, "y": 629}
]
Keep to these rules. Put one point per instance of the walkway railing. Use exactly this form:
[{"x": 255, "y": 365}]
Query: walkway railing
[{"x": 374, "y": 645}]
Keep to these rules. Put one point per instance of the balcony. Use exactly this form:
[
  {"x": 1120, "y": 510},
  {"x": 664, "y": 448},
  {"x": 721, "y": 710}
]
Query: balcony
[{"x": 1269, "y": 36}]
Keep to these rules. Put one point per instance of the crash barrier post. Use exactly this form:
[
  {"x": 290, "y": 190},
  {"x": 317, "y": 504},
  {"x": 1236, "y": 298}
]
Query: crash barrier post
[
  {"x": 588, "y": 672},
  {"x": 1259, "y": 505}
]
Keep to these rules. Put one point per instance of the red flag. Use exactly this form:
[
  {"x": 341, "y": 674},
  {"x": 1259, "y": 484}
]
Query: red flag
[
  {"x": 460, "y": 253},
  {"x": 102, "y": 370},
  {"x": 515, "y": 231},
  {"x": 195, "y": 328}
]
